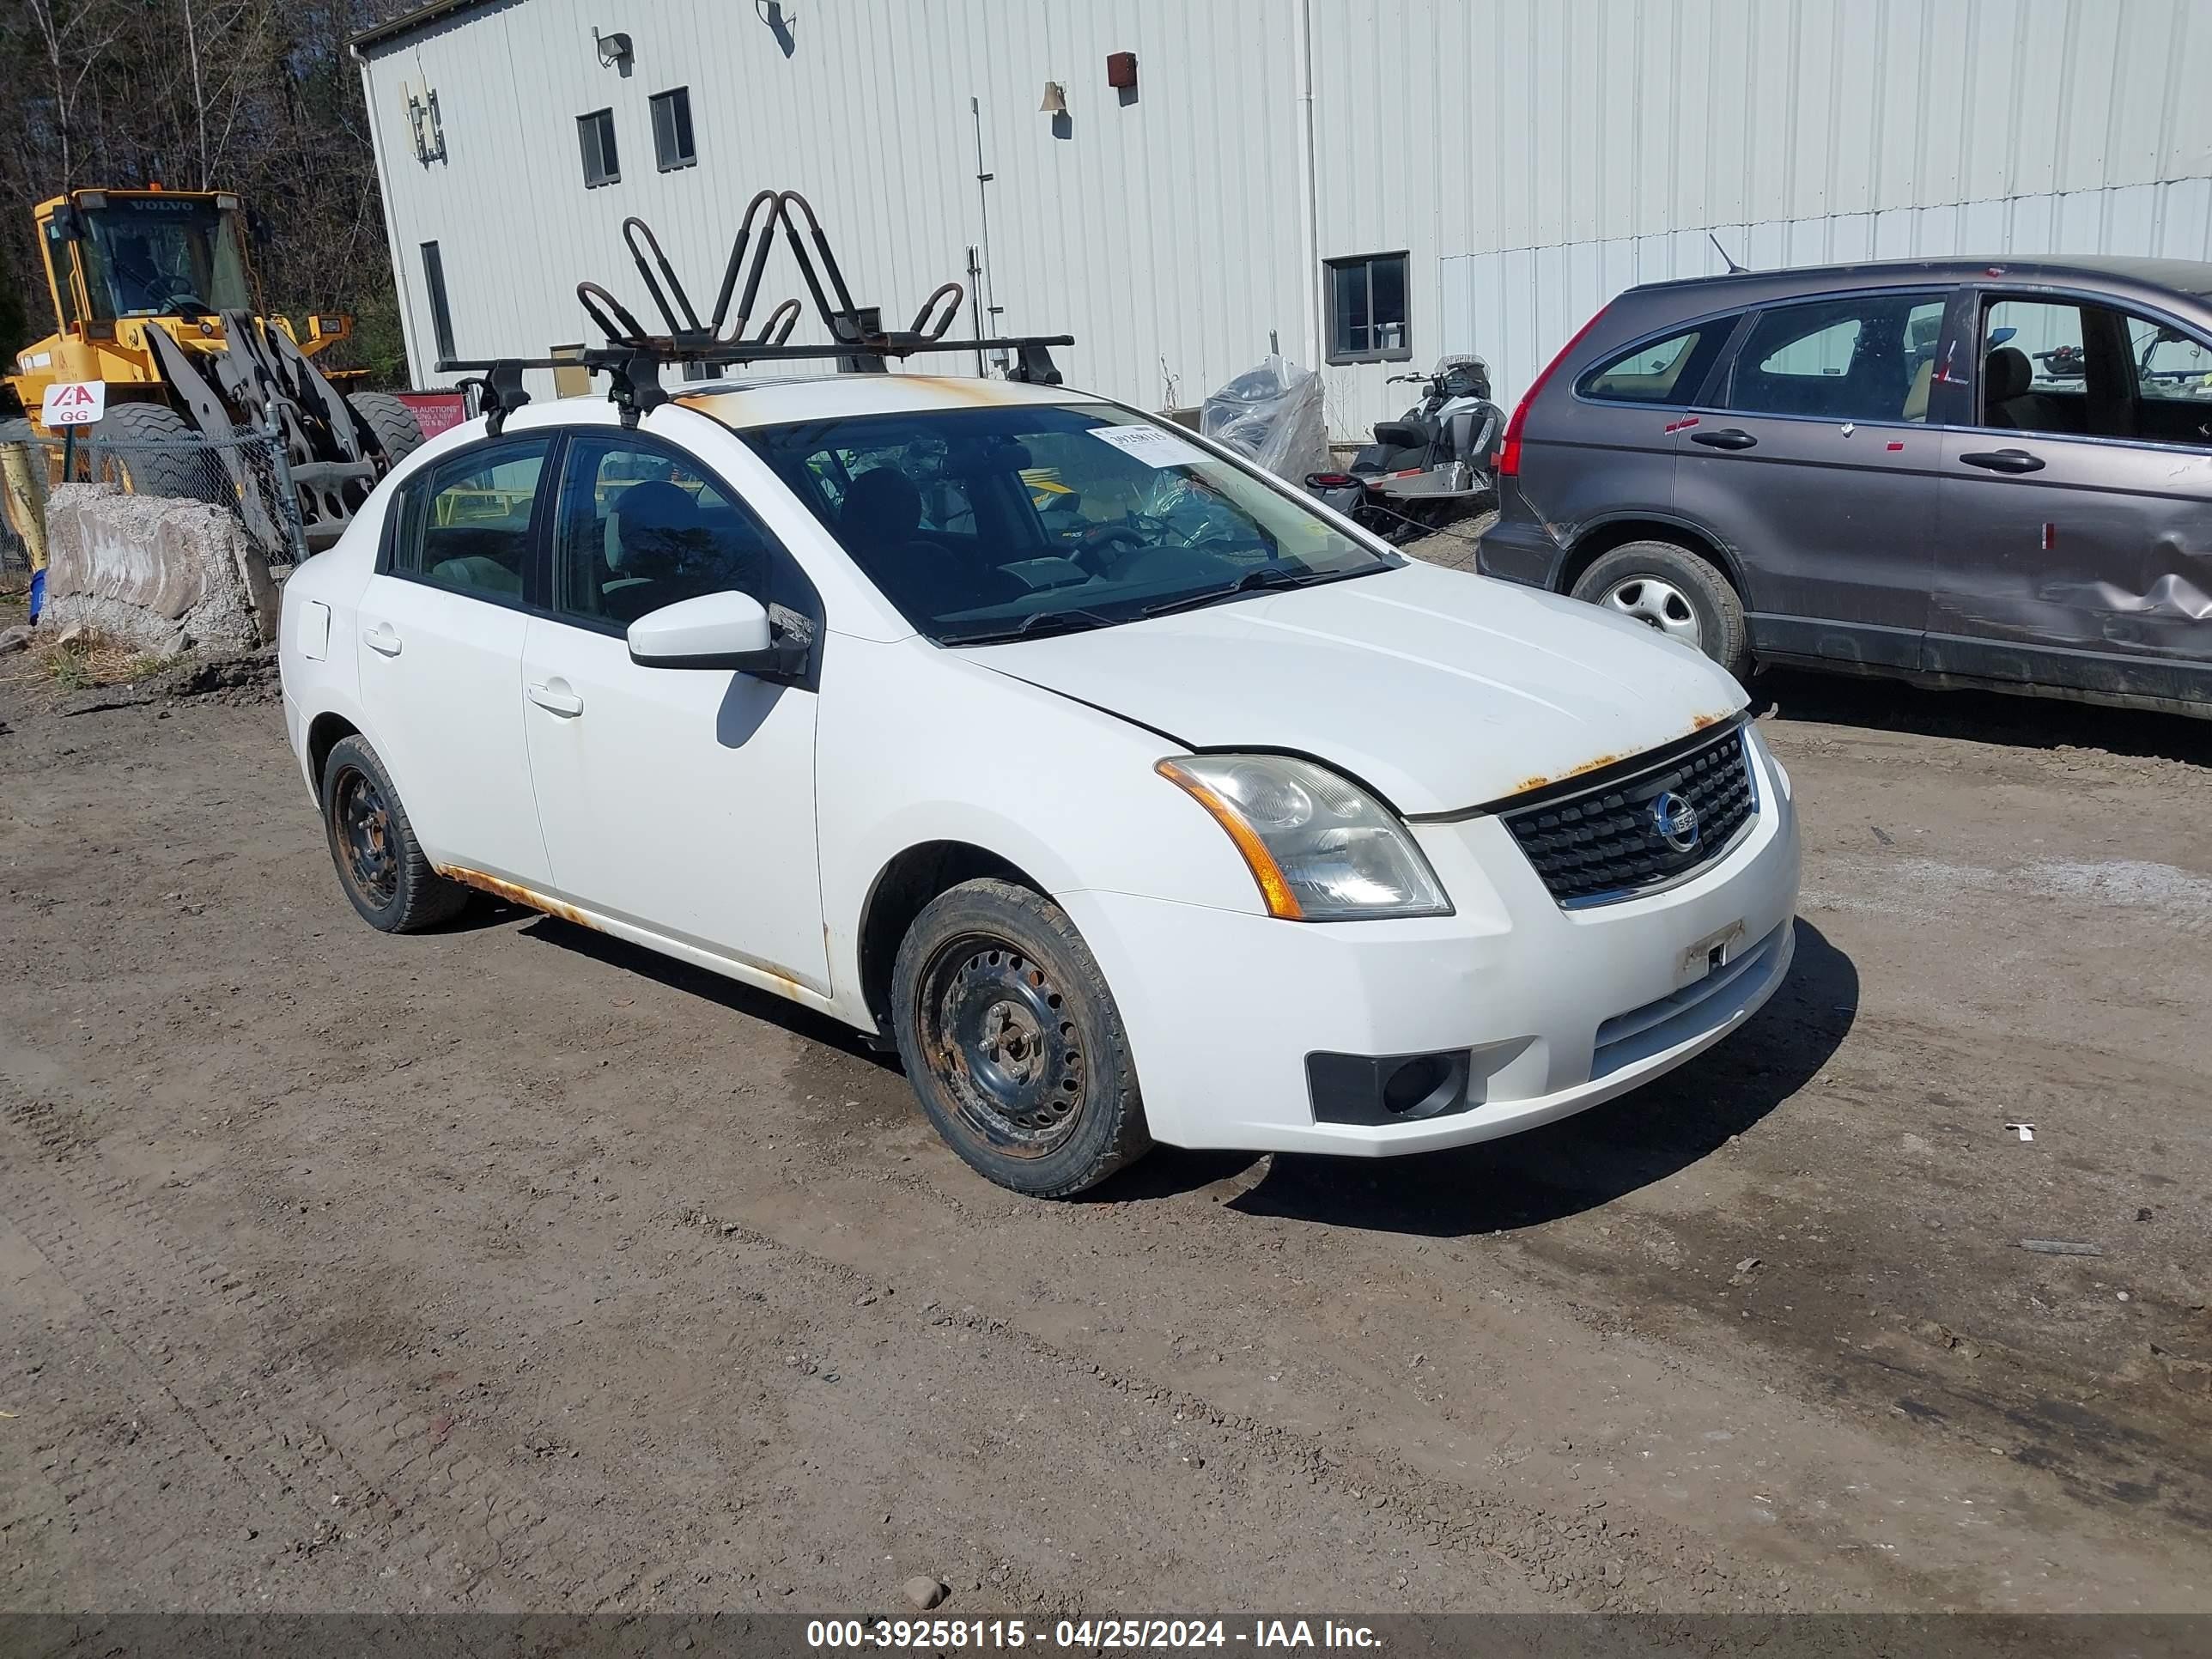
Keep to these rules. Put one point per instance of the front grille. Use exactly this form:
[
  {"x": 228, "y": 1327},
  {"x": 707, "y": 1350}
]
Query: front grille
[{"x": 1603, "y": 840}]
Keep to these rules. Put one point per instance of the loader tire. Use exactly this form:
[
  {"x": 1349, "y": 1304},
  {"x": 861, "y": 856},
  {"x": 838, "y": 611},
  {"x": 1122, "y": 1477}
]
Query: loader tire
[
  {"x": 177, "y": 469},
  {"x": 391, "y": 425}
]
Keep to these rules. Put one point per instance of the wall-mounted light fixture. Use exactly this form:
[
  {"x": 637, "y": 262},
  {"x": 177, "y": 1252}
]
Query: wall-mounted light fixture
[
  {"x": 1055, "y": 100},
  {"x": 614, "y": 50}
]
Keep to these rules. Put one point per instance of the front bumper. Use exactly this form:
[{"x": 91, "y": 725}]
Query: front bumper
[{"x": 1558, "y": 1010}]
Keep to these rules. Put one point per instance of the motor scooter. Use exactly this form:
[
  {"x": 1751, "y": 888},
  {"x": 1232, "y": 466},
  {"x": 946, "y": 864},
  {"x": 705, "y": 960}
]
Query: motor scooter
[{"x": 1428, "y": 466}]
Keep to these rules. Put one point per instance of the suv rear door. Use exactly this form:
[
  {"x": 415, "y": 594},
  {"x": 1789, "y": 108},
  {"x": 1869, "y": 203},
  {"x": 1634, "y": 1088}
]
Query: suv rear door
[
  {"x": 2075, "y": 509},
  {"x": 1815, "y": 465}
]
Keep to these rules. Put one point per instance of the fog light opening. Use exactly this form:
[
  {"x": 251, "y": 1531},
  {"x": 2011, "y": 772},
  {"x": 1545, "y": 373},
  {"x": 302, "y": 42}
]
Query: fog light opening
[{"x": 1414, "y": 1087}]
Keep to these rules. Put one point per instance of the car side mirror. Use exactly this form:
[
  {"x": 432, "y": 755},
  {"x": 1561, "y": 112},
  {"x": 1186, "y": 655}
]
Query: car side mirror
[{"x": 719, "y": 630}]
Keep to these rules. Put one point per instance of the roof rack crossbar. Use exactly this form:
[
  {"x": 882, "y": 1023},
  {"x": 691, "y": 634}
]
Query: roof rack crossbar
[{"x": 1033, "y": 353}]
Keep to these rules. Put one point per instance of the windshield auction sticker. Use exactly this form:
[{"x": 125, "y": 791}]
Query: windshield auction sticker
[{"x": 1155, "y": 445}]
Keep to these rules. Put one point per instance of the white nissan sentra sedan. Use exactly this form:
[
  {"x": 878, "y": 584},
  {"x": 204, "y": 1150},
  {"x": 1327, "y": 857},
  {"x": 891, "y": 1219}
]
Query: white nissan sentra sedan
[{"x": 1131, "y": 793}]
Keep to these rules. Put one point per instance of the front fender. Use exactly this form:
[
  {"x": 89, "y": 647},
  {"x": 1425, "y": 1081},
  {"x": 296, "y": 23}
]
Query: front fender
[{"x": 917, "y": 744}]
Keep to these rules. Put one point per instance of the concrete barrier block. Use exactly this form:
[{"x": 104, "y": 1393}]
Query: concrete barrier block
[{"x": 165, "y": 575}]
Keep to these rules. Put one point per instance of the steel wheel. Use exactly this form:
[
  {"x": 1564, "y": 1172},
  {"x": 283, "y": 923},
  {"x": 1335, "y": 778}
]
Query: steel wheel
[
  {"x": 362, "y": 820},
  {"x": 1655, "y": 604},
  {"x": 995, "y": 1023}
]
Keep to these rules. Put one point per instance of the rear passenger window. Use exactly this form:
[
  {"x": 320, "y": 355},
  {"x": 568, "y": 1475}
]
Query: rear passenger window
[
  {"x": 1668, "y": 371},
  {"x": 1868, "y": 358},
  {"x": 465, "y": 523},
  {"x": 640, "y": 530}
]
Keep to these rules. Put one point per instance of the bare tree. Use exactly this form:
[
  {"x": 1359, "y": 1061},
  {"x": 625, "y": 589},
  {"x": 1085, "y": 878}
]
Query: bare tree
[
  {"x": 257, "y": 96},
  {"x": 77, "y": 35}
]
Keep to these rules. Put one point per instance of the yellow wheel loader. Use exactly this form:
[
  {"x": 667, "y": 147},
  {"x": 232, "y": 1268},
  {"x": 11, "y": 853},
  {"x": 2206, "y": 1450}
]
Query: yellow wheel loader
[{"x": 152, "y": 294}]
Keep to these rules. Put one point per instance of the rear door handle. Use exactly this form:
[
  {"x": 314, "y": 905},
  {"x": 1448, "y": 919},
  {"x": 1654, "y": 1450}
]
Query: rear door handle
[
  {"x": 1729, "y": 437},
  {"x": 2003, "y": 460},
  {"x": 382, "y": 639},
  {"x": 555, "y": 697}
]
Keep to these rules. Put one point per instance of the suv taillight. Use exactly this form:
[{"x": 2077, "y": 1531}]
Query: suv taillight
[{"x": 1508, "y": 446}]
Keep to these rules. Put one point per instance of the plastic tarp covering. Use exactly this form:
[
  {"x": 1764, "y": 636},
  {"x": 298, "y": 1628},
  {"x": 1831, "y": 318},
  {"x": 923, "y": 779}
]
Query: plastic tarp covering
[{"x": 1273, "y": 415}]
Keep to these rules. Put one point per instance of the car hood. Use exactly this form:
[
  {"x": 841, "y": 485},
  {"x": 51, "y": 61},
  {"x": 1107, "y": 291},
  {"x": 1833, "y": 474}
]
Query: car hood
[{"x": 1438, "y": 690}]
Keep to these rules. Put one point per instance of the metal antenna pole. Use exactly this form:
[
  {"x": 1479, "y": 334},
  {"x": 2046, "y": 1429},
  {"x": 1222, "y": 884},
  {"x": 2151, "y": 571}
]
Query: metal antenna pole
[{"x": 988, "y": 300}]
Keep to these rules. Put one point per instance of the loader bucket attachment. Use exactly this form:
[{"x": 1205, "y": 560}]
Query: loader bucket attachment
[{"x": 265, "y": 517}]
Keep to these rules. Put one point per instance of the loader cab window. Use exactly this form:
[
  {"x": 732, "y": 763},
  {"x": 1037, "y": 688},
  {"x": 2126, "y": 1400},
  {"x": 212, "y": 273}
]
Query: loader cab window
[
  {"x": 163, "y": 256},
  {"x": 62, "y": 268}
]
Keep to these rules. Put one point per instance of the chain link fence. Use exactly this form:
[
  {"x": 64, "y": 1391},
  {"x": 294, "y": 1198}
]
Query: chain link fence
[{"x": 248, "y": 472}]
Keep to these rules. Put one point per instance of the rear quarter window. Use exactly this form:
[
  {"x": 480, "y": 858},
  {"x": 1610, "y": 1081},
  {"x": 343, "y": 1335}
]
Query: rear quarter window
[{"x": 1668, "y": 370}]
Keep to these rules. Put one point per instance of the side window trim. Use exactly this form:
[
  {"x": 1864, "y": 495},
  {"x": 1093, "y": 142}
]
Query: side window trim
[
  {"x": 547, "y": 540},
  {"x": 1720, "y": 387},
  {"x": 411, "y": 497}
]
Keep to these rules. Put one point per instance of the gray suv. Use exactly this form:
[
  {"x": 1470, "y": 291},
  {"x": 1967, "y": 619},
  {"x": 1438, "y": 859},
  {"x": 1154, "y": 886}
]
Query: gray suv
[{"x": 1962, "y": 472}]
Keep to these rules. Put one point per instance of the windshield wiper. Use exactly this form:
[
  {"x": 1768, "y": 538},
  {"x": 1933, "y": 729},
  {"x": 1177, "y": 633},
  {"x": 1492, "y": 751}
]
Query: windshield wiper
[
  {"x": 1044, "y": 621},
  {"x": 1267, "y": 575}
]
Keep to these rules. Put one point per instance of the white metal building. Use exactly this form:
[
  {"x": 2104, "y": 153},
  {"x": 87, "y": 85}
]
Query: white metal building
[{"x": 1374, "y": 182}]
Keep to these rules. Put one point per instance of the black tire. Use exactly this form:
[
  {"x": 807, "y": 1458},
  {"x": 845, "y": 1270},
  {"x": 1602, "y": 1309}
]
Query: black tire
[
  {"x": 183, "y": 471},
  {"x": 1674, "y": 573},
  {"x": 1012, "y": 1039},
  {"x": 379, "y": 863},
  {"x": 391, "y": 425}
]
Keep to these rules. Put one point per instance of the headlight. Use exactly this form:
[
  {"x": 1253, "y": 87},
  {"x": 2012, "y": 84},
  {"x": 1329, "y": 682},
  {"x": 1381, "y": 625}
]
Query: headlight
[{"x": 1322, "y": 848}]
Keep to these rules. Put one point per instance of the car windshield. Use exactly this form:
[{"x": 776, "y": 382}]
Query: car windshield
[
  {"x": 1007, "y": 523},
  {"x": 156, "y": 256}
]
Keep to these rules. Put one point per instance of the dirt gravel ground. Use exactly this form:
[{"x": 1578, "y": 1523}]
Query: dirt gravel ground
[{"x": 509, "y": 1267}]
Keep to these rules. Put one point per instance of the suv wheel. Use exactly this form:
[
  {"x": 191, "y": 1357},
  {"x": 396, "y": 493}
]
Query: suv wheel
[
  {"x": 1668, "y": 587},
  {"x": 1011, "y": 1040},
  {"x": 381, "y": 865}
]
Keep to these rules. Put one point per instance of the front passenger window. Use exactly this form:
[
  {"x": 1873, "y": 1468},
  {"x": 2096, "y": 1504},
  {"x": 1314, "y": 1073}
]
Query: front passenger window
[
  {"x": 465, "y": 522},
  {"x": 640, "y": 530}
]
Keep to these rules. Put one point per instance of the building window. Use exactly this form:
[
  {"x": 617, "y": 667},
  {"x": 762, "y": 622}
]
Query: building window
[
  {"x": 1367, "y": 309},
  {"x": 671, "y": 130},
  {"x": 441, "y": 316},
  {"x": 596, "y": 132}
]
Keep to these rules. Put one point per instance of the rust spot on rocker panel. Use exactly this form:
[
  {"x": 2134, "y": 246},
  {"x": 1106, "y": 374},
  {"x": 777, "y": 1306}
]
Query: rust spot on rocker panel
[{"x": 515, "y": 893}]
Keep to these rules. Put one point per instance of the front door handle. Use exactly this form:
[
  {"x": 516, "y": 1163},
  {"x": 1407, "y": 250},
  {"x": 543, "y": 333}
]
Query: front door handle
[
  {"x": 1729, "y": 437},
  {"x": 2003, "y": 460},
  {"x": 555, "y": 697},
  {"x": 383, "y": 639}
]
